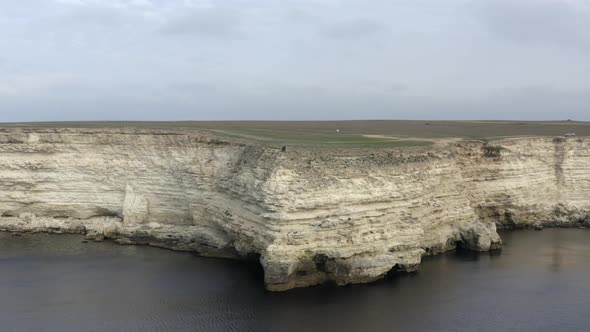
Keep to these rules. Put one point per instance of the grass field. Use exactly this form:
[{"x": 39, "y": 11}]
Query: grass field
[{"x": 351, "y": 133}]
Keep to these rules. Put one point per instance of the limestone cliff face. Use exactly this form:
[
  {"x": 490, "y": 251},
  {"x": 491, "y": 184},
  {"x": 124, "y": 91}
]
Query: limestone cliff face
[{"x": 310, "y": 215}]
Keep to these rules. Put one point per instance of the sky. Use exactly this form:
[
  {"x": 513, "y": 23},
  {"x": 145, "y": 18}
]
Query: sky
[{"x": 294, "y": 59}]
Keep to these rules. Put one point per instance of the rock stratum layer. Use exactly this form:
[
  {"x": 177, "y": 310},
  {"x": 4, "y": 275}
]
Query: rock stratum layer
[{"x": 309, "y": 215}]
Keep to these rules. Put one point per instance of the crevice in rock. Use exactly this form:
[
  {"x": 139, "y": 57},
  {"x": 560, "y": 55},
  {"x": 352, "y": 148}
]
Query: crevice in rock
[
  {"x": 393, "y": 272},
  {"x": 558, "y": 159},
  {"x": 321, "y": 262}
]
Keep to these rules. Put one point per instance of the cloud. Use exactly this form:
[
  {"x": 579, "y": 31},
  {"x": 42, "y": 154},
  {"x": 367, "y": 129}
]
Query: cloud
[
  {"x": 561, "y": 22},
  {"x": 106, "y": 17},
  {"x": 543, "y": 96},
  {"x": 102, "y": 13},
  {"x": 399, "y": 87},
  {"x": 107, "y": 3},
  {"x": 294, "y": 59},
  {"x": 29, "y": 85},
  {"x": 212, "y": 22},
  {"x": 538, "y": 102},
  {"x": 354, "y": 29},
  {"x": 193, "y": 86}
]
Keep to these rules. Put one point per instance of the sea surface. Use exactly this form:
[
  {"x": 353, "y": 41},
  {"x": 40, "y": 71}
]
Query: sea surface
[{"x": 539, "y": 282}]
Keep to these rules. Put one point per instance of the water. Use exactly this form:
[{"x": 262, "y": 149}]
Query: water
[{"x": 57, "y": 283}]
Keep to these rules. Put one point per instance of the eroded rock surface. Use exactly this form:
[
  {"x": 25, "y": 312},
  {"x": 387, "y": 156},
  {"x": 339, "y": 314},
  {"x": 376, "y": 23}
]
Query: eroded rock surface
[{"x": 309, "y": 215}]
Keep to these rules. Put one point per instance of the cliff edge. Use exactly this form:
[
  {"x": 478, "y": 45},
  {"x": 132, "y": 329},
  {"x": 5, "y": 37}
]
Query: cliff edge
[{"x": 309, "y": 215}]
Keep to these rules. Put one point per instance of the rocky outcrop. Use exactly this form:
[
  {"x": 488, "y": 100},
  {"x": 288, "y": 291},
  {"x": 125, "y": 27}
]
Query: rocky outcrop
[{"x": 309, "y": 215}]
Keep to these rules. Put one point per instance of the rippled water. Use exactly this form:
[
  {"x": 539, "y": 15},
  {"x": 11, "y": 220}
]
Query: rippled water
[{"x": 540, "y": 282}]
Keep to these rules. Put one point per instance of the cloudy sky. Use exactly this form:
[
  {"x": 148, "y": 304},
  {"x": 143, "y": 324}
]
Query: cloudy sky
[{"x": 294, "y": 59}]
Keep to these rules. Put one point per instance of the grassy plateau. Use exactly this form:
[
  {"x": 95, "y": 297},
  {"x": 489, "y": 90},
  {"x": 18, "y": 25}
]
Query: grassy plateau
[{"x": 364, "y": 133}]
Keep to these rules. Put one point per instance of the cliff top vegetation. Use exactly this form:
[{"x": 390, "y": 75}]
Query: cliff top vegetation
[{"x": 362, "y": 133}]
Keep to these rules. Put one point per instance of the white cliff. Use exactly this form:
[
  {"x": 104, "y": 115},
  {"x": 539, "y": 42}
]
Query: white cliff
[{"x": 309, "y": 215}]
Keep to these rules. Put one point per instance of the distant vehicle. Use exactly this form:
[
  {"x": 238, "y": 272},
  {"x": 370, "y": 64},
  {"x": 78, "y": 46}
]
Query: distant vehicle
[{"x": 570, "y": 134}]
